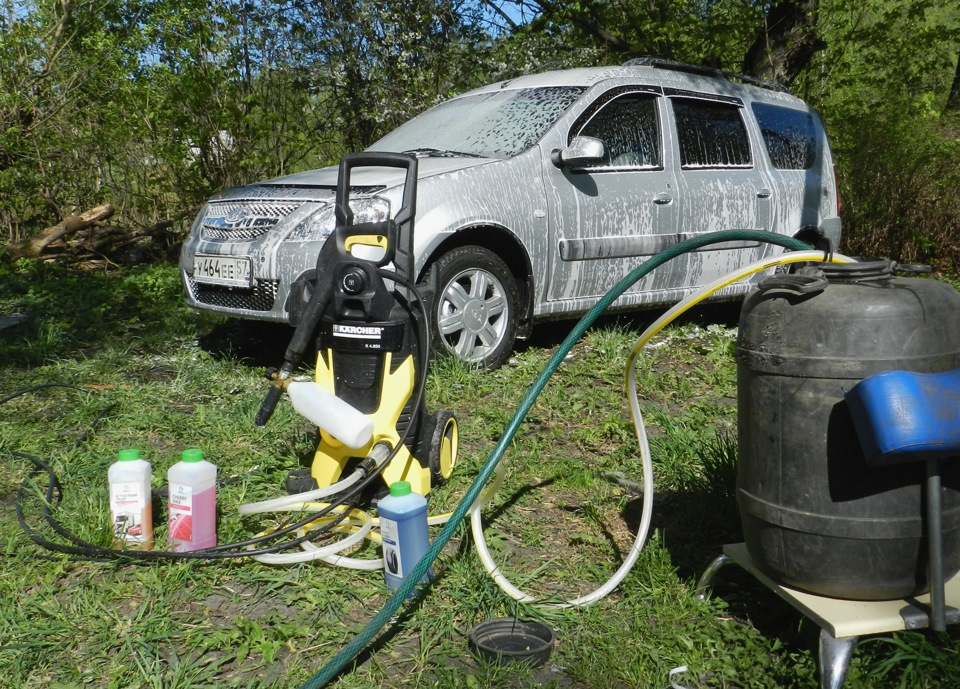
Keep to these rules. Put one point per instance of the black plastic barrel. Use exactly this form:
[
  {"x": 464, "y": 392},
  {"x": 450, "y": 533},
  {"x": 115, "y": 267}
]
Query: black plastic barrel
[{"x": 815, "y": 516}]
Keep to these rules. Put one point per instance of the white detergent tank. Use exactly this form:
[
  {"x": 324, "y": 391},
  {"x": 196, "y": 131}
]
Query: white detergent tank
[{"x": 330, "y": 413}]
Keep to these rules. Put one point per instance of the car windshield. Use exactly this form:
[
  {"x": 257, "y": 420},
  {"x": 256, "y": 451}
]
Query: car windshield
[{"x": 495, "y": 124}]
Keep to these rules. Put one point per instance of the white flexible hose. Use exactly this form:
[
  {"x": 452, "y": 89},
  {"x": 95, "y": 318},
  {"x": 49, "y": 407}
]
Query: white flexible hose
[
  {"x": 319, "y": 552},
  {"x": 359, "y": 525},
  {"x": 376, "y": 564},
  {"x": 476, "y": 522},
  {"x": 285, "y": 502}
]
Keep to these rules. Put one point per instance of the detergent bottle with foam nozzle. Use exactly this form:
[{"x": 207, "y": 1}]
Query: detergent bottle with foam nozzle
[
  {"x": 330, "y": 413},
  {"x": 192, "y": 503},
  {"x": 403, "y": 528},
  {"x": 131, "y": 512}
]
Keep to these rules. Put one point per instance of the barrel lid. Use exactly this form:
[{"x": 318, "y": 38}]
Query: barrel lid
[{"x": 867, "y": 270}]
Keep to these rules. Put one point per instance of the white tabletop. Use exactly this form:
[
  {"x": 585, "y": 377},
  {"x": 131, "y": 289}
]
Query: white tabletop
[{"x": 842, "y": 618}]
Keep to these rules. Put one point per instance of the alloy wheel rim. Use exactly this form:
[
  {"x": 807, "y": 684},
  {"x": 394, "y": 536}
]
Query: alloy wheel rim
[{"x": 472, "y": 314}]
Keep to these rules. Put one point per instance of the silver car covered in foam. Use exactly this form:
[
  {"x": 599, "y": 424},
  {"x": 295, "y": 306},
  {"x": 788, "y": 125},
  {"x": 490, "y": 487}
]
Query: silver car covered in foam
[{"x": 537, "y": 194}]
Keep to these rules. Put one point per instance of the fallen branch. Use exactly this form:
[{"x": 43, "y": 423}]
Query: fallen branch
[
  {"x": 32, "y": 248},
  {"x": 87, "y": 236}
]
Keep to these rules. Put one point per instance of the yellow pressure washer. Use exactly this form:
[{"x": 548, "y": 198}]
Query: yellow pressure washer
[{"x": 372, "y": 336}]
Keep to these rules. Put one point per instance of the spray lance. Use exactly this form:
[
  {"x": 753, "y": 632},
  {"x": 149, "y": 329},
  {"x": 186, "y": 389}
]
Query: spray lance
[{"x": 317, "y": 304}]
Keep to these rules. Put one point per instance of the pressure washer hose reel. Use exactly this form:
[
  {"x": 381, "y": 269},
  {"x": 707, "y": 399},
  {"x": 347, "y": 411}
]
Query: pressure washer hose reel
[{"x": 371, "y": 330}]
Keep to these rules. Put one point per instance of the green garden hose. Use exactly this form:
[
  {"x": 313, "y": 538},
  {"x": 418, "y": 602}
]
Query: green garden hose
[{"x": 351, "y": 650}]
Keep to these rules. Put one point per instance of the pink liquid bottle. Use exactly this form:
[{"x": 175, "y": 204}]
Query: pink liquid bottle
[{"x": 192, "y": 516}]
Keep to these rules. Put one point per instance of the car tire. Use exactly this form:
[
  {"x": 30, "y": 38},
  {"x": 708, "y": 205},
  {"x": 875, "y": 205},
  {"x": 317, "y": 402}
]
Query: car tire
[{"x": 474, "y": 312}]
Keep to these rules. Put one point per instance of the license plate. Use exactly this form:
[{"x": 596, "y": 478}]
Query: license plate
[{"x": 222, "y": 270}]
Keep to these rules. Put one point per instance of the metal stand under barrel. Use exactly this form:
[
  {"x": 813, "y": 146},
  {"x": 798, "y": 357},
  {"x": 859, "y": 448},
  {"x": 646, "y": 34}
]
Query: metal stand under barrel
[
  {"x": 841, "y": 622},
  {"x": 899, "y": 417}
]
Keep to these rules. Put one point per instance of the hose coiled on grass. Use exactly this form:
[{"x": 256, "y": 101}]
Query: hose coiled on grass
[{"x": 351, "y": 650}]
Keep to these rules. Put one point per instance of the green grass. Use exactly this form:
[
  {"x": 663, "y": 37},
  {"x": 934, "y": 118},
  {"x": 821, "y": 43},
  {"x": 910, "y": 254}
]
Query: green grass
[{"x": 170, "y": 379}]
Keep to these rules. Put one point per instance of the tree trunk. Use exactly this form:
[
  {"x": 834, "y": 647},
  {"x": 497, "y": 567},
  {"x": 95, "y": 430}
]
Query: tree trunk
[
  {"x": 32, "y": 248},
  {"x": 953, "y": 100},
  {"x": 787, "y": 43}
]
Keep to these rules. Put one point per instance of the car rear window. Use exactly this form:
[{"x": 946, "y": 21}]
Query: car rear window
[
  {"x": 711, "y": 133},
  {"x": 496, "y": 124},
  {"x": 789, "y": 135}
]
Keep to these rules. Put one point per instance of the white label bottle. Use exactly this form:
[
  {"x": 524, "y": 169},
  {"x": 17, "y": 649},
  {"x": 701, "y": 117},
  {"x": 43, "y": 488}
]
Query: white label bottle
[
  {"x": 192, "y": 503},
  {"x": 131, "y": 509}
]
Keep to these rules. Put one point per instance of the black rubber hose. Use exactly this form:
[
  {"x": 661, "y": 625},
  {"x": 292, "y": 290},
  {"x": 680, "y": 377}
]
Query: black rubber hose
[
  {"x": 86, "y": 550},
  {"x": 319, "y": 299}
]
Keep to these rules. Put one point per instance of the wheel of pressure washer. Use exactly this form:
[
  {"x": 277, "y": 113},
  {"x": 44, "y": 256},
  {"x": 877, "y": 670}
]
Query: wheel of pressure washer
[{"x": 439, "y": 442}]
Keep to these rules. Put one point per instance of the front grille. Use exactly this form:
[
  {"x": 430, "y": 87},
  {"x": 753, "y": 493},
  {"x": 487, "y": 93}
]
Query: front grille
[
  {"x": 245, "y": 220},
  {"x": 260, "y": 297}
]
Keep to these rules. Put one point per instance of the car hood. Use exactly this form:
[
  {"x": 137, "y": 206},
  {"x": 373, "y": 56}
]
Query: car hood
[{"x": 320, "y": 185}]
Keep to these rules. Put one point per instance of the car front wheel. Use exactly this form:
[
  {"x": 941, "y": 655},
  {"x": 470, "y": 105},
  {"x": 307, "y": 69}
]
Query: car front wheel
[{"x": 475, "y": 308}]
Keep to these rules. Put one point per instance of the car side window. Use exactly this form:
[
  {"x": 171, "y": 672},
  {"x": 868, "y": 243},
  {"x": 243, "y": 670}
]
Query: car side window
[
  {"x": 711, "y": 134},
  {"x": 629, "y": 127},
  {"x": 789, "y": 136}
]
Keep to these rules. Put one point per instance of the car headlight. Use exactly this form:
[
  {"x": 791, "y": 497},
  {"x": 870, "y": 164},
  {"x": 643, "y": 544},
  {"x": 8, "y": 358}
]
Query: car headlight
[{"x": 320, "y": 224}]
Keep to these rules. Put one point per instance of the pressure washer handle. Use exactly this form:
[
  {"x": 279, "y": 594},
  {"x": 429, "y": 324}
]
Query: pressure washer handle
[
  {"x": 406, "y": 161},
  {"x": 399, "y": 228}
]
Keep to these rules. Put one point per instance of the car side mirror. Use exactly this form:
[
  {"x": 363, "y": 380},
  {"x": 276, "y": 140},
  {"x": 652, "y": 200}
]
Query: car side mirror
[{"x": 582, "y": 151}]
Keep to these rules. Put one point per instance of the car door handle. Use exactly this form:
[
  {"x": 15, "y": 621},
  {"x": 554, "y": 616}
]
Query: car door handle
[
  {"x": 662, "y": 199},
  {"x": 763, "y": 194}
]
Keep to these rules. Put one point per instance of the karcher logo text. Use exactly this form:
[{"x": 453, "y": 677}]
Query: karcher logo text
[{"x": 366, "y": 332}]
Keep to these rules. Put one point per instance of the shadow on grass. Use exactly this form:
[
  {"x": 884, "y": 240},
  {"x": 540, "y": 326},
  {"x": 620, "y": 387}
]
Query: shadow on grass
[
  {"x": 56, "y": 312},
  {"x": 696, "y": 522},
  {"x": 50, "y": 312},
  {"x": 550, "y": 334},
  {"x": 258, "y": 344}
]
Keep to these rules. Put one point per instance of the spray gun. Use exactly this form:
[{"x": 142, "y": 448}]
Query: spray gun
[{"x": 317, "y": 304}]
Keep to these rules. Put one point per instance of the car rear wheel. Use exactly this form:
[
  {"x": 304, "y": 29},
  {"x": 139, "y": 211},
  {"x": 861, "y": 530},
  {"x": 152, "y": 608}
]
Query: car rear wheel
[{"x": 476, "y": 306}]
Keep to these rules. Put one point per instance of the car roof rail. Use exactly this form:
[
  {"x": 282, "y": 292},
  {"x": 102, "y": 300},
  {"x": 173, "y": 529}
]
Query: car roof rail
[{"x": 664, "y": 63}]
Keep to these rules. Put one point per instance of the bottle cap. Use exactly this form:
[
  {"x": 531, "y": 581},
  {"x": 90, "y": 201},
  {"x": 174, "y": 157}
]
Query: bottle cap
[
  {"x": 400, "y": 488},
  {"x": 128, "y": 455},
  {"x": 191, "y": 456}
]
